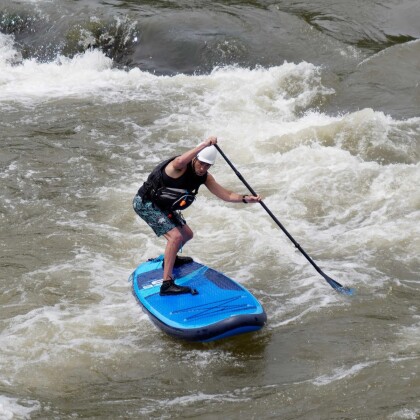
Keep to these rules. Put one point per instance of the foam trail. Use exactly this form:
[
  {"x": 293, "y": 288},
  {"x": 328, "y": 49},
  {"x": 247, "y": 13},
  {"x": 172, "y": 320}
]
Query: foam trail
[{"x": 341, "y": 373}]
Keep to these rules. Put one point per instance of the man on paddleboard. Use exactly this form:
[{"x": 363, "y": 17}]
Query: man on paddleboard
[{"x": 171, "y": 187}]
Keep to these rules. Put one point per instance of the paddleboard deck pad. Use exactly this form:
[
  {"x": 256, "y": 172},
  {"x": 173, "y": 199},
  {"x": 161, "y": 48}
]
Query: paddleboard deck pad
[{"x": 222, "y": 307}]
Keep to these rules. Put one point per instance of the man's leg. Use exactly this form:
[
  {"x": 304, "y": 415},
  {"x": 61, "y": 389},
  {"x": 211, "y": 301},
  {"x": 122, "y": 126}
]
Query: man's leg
[{"x": 176, "y": 237}]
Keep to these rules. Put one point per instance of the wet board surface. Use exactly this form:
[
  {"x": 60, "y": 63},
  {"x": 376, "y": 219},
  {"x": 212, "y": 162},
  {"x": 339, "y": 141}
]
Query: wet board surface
[{"x": 222, "y": 307}]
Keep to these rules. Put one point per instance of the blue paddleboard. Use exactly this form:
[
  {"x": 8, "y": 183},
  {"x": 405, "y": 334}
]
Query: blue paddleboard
[{"x": 222, "y": 307}]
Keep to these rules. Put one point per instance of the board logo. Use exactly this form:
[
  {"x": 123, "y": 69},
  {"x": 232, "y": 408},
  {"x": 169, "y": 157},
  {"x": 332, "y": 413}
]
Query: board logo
[{"x": 152, "y": 284}]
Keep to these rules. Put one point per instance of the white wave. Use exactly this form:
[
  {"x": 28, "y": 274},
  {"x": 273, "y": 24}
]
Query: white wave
[
  {"x": 95, "y": 318},
  {"x": 187, "y": 400},
  {"x": 32, "y": 82},
  {"x": 409, "y": 336},
  {"x": 342, "y": 185},
  {"x": 17, "y": 408},
  {"x": 190, "y": 399},
  {"x": 405, "y": 414},
  {"x": 341, "y": 373},
  {"x": 276, "y": 91},
  {"x": 237, "y": 395},
  {"x": 8, "y": 55}
]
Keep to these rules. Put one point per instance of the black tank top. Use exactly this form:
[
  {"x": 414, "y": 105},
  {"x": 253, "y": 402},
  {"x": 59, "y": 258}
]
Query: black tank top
[{"x": 189, "y": 180}]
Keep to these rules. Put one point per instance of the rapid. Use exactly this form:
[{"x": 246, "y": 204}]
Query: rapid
[{"x": 316, "y": 104}]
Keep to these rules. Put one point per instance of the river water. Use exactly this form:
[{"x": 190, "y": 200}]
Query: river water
[{"x": 315, "y": 102}]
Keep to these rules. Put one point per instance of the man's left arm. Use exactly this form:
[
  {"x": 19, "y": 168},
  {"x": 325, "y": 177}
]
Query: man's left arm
[{"x": 215, "y": 188}]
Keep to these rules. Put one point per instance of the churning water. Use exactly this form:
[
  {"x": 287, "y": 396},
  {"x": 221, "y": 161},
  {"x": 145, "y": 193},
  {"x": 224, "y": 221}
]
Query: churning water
[{"x": 315, "y": 103}]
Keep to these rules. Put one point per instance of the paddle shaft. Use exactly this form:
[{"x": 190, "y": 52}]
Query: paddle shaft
[{"x": 272, "y": 215}]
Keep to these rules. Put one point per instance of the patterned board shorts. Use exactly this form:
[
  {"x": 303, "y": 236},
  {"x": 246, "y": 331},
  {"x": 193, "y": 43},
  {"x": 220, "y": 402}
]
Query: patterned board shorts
[{"x": 160, "y": 221}]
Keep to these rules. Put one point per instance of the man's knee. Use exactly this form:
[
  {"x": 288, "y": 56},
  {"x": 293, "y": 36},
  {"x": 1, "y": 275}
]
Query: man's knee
[
  {"x": 176, "y": 237},
  {"x": 187, "y": 233}
]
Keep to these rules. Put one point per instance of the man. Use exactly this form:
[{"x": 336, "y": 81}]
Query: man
[{"x": 185, "y": 172}]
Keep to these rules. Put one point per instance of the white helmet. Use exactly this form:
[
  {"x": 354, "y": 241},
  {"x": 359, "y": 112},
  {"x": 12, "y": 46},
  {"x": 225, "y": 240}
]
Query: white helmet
[{"x": 208, "y": 155}]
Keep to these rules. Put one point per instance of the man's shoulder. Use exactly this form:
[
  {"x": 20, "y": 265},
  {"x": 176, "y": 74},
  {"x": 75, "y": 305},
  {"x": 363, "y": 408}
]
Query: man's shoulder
[{"x": 172, "y": 169}]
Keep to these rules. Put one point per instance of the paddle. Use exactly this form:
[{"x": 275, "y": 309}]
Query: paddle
[{"x": 334, "y": 284}]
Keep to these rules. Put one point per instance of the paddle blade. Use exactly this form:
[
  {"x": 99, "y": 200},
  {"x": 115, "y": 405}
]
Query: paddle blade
[{"x": 338, "y": 287}]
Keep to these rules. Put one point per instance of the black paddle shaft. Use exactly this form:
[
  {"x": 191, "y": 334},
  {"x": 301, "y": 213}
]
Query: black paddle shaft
[{"x": 333, "y": 283}]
